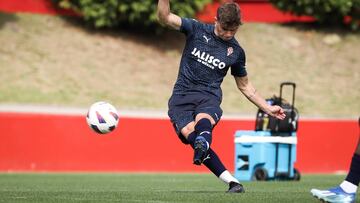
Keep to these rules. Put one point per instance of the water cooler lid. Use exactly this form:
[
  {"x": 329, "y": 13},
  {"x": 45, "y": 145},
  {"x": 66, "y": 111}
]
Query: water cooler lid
[{"x": 266, "y": 139}]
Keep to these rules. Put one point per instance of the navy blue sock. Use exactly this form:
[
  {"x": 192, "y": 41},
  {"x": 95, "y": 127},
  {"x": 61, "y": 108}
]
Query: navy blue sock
[
  {"x": 203, "y": 128},
  {"x": 214, "y": 164},
  {"x": 191, "y": 138},
  {"x": 354, "y": 173}
]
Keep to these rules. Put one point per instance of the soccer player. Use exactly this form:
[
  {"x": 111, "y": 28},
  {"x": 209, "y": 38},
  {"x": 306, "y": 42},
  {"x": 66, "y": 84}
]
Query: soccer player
[
  {"x": 194, "y": 107},
  {"x": 346, "y": 191}
]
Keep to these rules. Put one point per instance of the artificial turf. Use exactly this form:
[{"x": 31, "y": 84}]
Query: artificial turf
[{"x": 152, "y": 187}]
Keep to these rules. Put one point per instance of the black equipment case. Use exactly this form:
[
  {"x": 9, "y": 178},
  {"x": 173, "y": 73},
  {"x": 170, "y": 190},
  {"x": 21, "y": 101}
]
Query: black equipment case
[{"x": 264, "y": 122}]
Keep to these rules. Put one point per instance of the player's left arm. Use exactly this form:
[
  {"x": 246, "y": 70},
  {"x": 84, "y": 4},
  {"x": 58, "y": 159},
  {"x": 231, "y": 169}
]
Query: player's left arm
[{"x": 245, "y": 86}]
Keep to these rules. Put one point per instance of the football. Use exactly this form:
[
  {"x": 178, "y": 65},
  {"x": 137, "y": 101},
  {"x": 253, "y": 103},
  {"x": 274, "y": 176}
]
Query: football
[{"x": 102, "y": 117}]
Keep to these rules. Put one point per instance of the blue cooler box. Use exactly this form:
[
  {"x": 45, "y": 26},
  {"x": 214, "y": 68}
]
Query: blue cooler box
[{"x": 257, "y": 152}]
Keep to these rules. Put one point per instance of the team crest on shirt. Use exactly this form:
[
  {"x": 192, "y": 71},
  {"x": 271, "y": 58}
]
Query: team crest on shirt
[{"x": 230, "y": 50}]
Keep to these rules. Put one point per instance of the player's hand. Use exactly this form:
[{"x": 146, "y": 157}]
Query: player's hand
[{"x": 277, "y": 112}]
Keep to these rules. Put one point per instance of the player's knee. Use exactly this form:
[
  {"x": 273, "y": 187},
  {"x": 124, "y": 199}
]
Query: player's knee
[
  {"x": 201, "y": 116},
  {"x": 203, "y": 124}
]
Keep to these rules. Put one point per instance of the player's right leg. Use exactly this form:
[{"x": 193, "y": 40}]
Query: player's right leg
[
  {"x": 203, "y": 129},
  {"x": 198, "y": 143},
  {"x": 182, "y": 114}
]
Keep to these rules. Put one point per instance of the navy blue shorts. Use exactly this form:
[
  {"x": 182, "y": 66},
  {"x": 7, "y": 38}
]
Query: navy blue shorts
[{"x": 184, "y": 108}]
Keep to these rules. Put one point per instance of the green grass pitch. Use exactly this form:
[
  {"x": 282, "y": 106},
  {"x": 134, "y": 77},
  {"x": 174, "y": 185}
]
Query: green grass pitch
[{"x": 152, "y": 187}]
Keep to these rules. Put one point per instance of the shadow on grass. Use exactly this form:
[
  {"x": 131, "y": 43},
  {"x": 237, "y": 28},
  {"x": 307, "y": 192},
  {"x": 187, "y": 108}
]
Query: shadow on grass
[
  {"x": 165, "y": 40},
  {"x": 199, "y": 191},
  {"x": 6, "y": 18}
]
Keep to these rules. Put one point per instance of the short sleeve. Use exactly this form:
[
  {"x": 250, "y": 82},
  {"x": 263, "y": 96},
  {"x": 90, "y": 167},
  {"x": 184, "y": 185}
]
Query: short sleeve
[
  {"x": 188, "y": 25},
  {"x": 238, "y": 68}
]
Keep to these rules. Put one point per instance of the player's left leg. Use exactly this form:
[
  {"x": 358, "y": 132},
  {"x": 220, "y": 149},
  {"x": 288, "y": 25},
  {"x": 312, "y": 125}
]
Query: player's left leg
[
  {"x": 351, "y": 182},
  {"x": 346, "y": 191},
  {"x": 214, "y": 164},
  {"x": 334, "y": 195}
]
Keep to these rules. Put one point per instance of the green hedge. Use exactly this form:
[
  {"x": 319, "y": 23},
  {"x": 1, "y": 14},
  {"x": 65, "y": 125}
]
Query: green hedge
[
  {"x": 325, "y": 11},
  {"x": 112, "y": 13}
]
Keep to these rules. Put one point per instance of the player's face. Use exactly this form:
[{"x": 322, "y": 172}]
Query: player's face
[{"x": 225, "y": 33}]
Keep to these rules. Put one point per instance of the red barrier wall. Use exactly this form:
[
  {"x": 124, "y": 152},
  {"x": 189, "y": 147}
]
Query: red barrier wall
[
  {"x": 252, "y": 11},
  {"x": 39, "y": 142},
  {"x": 32, "y": 6},
  {"x": 255, "y": 12}
]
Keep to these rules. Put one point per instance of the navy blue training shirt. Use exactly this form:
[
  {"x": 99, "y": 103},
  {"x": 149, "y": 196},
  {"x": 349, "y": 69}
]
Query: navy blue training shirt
[{"x": 206, "y": 59}]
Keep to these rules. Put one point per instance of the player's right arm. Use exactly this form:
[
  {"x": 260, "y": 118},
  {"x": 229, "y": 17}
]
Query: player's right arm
[
  {"x": 166, "y": 17},
  {"x": 250, "y": 92}
]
